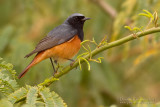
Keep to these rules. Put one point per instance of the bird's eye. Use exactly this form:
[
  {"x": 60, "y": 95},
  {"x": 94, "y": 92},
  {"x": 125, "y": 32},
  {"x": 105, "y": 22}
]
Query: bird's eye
[{"x": 76, "y": 17}]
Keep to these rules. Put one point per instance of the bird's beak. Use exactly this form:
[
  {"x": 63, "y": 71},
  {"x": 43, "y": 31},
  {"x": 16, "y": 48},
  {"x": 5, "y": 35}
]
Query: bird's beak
[{"x": 86, "y": 18}]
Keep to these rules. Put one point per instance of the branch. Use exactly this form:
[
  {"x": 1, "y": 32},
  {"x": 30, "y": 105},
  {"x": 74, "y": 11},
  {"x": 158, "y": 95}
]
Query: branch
[
  {"x": 106, "y": 7},
  {"x": 98, "y": 50}
]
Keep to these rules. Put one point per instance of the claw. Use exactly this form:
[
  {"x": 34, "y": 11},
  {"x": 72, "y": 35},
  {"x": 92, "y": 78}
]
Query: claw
[{"x": 71, "y": 64}]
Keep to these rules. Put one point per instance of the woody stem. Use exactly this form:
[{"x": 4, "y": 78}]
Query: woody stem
[{"x": 101, "y": 49}]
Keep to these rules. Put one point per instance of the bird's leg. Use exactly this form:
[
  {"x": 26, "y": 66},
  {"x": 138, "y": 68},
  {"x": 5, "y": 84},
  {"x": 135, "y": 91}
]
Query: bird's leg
[
  {"x": 71, "y": 60},
  {"x": 56, "y": 62},
  {"x": 57, "y": 66},
  {"x": 53, "y": 66}
]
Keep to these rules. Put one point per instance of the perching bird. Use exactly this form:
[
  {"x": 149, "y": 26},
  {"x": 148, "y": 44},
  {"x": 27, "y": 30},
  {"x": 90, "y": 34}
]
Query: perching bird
[{"x": 62, "y": 43}]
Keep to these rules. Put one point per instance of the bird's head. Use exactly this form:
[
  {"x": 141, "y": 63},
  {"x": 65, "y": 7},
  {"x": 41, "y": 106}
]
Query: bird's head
[{"x": 76, "y": 20}]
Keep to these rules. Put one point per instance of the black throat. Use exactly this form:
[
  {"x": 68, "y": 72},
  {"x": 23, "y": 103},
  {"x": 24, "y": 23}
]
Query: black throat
[
  {"x": 80, "y": 34},
  {"x": 79, "y": 27}
]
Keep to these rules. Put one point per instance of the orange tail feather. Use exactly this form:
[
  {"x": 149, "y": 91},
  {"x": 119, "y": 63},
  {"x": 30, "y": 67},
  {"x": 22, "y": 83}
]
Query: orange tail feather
[
  {"x": 25, "y": 70},
  {"x": 38, "y": 58}
]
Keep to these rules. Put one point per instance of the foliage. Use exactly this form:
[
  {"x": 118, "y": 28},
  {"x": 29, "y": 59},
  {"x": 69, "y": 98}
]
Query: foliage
[
  {"x": 34, "y": 95},
  {"x": 7, "y": 85},
  {"x": 88, "y": 52}
]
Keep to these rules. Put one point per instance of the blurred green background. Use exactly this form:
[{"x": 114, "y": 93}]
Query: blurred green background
[{"x": 129, "y": 70}]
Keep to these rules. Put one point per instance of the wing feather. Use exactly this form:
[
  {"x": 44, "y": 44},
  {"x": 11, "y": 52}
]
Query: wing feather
[{"x": 55, "y": 37}]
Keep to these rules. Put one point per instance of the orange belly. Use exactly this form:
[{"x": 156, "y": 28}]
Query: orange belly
[
  {"x": 63, "y": 51},
  {"x": 66, "y": 50}
]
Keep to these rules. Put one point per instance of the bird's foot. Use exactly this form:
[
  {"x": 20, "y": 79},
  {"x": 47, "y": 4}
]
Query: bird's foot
[
  {"x": 72, "y": 62},
  {"x": 55, "y": 72}
]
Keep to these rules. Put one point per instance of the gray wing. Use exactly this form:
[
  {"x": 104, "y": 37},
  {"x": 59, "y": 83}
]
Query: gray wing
[{"x": 55, "y": 37}]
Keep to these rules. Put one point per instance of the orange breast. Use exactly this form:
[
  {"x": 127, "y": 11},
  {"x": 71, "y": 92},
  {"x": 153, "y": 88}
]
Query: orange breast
[{"x": 65, "y": 50}]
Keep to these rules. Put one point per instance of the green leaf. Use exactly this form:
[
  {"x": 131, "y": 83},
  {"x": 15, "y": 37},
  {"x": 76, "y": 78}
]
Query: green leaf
[
  {"x": 7, "y": 85},
  {"x": 84, "y": 41},
  {"x": 82, "y": 55},
  {"x": 85, "y": 48},
  {"x": 138, "y": 29},
  {"x": 93, "y": 41},
  {"x": 79, "y": 61},
  {"x": 47, "y": 97},
  {"x": 90, "y": 54},
  {"x": 32, "y": 95},
  {"x": 51, "y": 99},
  {"x": 58, "y": 101},
  {"x": 128, "y": 27},
  {"x": 134, "y": 29},
  {"x": 144, "y": 14},
  {"x": 17, "y": 95},
  {"x": 7, "y": 67},
  {"x": 100, "y": 59},
  {"x": 150, "y": 14},
  {"x": 28, "y": 105},
  {"x": 147, "y": 14},
  {"x": 89, "y": 67}
]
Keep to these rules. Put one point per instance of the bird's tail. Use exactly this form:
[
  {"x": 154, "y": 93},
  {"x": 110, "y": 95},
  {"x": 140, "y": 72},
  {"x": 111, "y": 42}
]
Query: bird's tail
[
  {"x": 36, "y": 60},
  {"x": 28, "y": 55},
  {"x": 25, "y": 70}
]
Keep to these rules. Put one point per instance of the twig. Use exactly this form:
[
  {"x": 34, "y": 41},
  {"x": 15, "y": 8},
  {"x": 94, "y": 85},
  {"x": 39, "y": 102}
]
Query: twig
[
  {"x": 106, "y": 7},
  {"x": 101, "y": 49}
]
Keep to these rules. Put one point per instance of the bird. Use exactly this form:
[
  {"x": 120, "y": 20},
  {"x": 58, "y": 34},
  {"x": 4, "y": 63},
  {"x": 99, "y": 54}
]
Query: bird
[{"x": 60, "y": 44}]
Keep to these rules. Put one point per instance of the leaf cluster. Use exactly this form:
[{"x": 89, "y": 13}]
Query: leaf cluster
[{"x": 28, "y": 96}]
